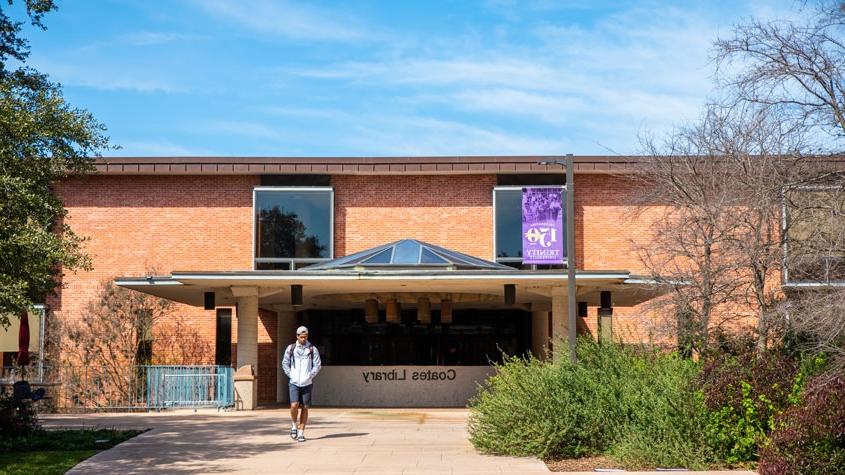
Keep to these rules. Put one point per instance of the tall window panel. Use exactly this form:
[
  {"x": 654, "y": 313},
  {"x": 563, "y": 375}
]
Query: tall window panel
[
  {"x": 508, "y": 206},
  {"x": 293, "y": 226},
  {"x": 223, "y": 340}
]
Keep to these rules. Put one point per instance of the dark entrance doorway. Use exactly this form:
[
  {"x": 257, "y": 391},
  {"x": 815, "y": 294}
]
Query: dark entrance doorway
[{"x": 474, "y": 338}]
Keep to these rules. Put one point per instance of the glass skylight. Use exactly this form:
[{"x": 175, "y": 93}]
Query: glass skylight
[{"x": 408, "y": 254}]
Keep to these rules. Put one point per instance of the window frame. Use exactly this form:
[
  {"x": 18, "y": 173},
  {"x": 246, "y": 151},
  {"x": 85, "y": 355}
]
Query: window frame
[
  {"x": 291, "y": 261},
  {"x": 513, "y": 260}
]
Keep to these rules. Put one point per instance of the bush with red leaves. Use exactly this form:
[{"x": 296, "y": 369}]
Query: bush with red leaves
[
  {"x": 744, "y": 394},
  {"x": 810, "y": 438}
]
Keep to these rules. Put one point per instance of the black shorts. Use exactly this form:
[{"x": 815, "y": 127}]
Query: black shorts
[{"x": 302, "y": 395}]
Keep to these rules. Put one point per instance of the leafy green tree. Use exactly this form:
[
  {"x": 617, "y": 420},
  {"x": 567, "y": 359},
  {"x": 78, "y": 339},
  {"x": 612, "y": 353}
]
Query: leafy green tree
[{"x": 42, "y": 139}]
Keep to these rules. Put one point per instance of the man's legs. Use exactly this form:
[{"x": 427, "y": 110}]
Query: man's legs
[
  {"x": 305, "y": 400},
  {"x": 295, "y": 400},
  {"x": 303, "y": 417},
  {"x": 294, "y": 410}
]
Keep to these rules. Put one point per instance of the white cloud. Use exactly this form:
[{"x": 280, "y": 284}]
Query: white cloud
[
  {"x": 107, "y": 75},
  {"x": 383, "y": 133},
  {"x": 150, "y": 38},
  {"x": 309, "y": 112},
  {"x": 504, "y": 72},
  {"x": 633, "y": 70},
  {"x": 529, "y": 84},
  {"x": 415, "y": 135},
  {"x": 285, "y": 19}
]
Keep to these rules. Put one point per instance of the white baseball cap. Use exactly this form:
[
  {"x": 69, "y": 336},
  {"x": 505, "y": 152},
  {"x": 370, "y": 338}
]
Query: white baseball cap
[{"x": 302, "y": 330}]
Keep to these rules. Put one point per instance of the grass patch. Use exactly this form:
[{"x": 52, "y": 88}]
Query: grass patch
[
  {"x": 67, "y": 439},
  {"x": 45, "y": 463},
  {"x": 56, "y": 451}
]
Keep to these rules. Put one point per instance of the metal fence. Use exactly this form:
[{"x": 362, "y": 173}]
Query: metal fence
[
  {"x": 34, "y": 372},
  {"x": 189, "y": 386},
  {"x": 86, "y": 387}
]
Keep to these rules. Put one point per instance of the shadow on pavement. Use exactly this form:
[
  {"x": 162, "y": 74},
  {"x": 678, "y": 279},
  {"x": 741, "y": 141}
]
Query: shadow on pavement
[
  {"x": 342, "y": 434},
  {"x": 187, "y": 444}
]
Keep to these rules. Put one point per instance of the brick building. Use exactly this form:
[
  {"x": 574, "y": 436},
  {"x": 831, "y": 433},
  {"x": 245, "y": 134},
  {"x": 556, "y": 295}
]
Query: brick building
[{"x": 416, "y": 313}]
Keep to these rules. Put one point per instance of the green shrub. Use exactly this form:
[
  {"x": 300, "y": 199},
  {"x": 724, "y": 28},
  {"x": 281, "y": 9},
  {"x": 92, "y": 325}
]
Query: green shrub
[
  {"x": 634, "y": 404},
  {"x": 665, "y": 421},
  {"x": 533, "y": 408}
]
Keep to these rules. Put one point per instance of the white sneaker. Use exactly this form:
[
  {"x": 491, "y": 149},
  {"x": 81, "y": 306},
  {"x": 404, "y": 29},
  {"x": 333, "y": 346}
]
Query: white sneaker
[
  {"x": 301, "y": 437},
  {"x": 293, "y": 433}
]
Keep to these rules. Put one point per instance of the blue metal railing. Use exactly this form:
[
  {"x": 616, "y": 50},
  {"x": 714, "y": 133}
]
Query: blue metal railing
[
  {"x": 189, "y": 386},
  {"x": 89, "y": 387}
]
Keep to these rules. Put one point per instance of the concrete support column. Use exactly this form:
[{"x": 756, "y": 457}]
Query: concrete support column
[
  {"x": 540, "y": 334},
  {"x": 285, "y": 335},
  {"x": 248, "y": 330},
  {"x": 246, "y": 384},
  {"x": 560, "y": 326}
]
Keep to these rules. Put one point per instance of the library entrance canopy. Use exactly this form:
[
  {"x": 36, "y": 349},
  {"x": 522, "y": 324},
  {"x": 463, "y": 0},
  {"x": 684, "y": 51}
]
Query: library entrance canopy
[{"x": 404, "y": 270}]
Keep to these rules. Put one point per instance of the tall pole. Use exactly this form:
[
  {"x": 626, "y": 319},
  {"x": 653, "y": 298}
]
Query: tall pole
[{"x": 570, "y": 256}]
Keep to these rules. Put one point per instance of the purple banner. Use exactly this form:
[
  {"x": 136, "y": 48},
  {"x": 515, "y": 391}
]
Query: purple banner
[{"x": 542, "y": 225}]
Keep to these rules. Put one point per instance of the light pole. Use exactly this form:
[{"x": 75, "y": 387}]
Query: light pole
[{"x": 568, "y": 164}]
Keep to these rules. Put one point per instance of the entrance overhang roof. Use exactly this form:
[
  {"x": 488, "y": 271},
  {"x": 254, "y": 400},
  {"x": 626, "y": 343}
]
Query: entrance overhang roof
[{"x": 323, "y": 289}]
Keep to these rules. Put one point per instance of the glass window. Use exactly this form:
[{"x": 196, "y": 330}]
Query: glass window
[
  {"x": 223, "y": 341},
  {"x": 407, "y": 252},
  {"x": 382, "y": 257},
  {"x": 815, "y": 240},
  {"x": 508, "y": 228},
  {"x": 508, "y": 205},
  {"x": 273, "y": 265},
  {"x": 293, "y": 225},
  {"x": 428, "y": 257}
]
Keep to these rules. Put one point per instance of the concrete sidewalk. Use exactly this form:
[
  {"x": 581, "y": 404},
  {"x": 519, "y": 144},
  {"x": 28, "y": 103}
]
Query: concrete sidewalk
[{"x": 339, "y": 441}]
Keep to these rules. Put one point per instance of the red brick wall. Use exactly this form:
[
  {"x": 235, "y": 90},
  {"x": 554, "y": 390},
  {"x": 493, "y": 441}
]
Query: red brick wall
[
  {"x": 606, "y": 223},
  {"x": 451, "y": 211},
  {"x": 139, "y": 224},
  {"x": 606, "y": 226}
]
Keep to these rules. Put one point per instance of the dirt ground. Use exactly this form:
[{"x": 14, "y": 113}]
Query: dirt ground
[
  {"x": 589, "y": 464},
  {"x": 586, "y": 464}
]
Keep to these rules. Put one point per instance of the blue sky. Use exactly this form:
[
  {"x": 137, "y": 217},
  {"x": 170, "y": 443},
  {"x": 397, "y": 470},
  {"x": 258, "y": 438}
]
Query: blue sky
[{"x": 279, "y": 78}]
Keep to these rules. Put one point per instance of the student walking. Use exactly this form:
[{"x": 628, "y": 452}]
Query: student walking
[{"x": 301, "y": 363}]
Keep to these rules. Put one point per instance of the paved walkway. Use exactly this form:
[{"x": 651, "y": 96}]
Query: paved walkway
[{"x": 340, "y": 441}]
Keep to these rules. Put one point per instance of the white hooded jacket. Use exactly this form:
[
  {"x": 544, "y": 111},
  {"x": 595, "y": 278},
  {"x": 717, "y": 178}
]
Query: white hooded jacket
[{"x": 301, "y": 363}]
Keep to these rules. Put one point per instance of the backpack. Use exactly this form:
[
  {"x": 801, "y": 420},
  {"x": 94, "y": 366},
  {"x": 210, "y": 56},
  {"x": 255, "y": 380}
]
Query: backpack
[{"x": 292, "y": 346}]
